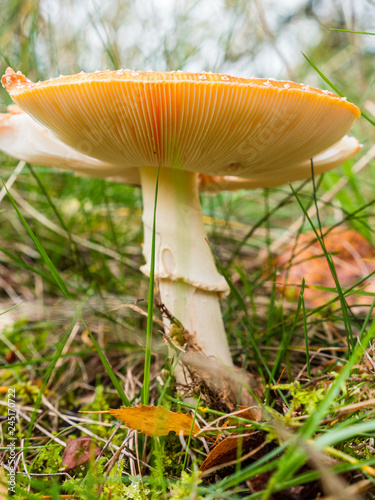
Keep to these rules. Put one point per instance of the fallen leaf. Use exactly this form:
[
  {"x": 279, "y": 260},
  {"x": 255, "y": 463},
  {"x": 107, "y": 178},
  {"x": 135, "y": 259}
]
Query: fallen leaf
[
  {"x": 78, "y": 451},
  {"x": 227, "y": 450},
  {"x": 155, "y": 420},
  {"x": 249, "y": 413},
  {"x": 352, "y": 255}
]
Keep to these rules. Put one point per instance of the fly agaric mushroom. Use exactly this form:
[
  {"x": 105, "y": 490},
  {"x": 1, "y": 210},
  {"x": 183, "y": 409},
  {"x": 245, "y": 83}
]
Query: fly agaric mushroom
[
  {"x": 23, "y": 138},
  {"x": 264, "y": 131}
]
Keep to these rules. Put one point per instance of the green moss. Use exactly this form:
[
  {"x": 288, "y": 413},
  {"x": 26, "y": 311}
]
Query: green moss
[
  {"x": 114, "y": 487},
  {"x": 307, "y": 398},
  {"x": 186, "y": 486},
  {"x": 48, "y": 460}
]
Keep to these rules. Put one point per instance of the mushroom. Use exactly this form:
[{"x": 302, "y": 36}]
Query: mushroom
[
  {"x": 203, "y": 129},
  {"x": 24, "y": 139}
]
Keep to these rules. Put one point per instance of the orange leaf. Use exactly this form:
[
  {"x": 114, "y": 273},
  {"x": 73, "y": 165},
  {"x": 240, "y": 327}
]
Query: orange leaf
[
  {"x": 352, "y": 255},
  {"x": 155, "y": 420}
]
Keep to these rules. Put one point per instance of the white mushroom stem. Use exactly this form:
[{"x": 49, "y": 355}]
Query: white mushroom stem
[{"x": 189, "y": 283}]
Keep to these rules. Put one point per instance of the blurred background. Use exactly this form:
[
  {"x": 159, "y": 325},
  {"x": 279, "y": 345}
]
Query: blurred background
[{"x": 263, "y": 38}]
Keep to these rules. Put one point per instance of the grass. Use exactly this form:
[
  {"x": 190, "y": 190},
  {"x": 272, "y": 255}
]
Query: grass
[
  {"x": 150, "y": 309},
  {"x": 70, "y": 254}
]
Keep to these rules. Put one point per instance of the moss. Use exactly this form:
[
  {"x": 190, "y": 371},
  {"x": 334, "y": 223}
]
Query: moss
[
  {"x": 306, "y": 398},
  {"x": 186, "y": 486}
]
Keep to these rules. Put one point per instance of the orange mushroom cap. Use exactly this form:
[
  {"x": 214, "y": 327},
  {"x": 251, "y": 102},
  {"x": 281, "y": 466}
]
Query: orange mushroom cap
[
  {"x": 212, "y": 124},
  {"x": 23, "y": 138}
]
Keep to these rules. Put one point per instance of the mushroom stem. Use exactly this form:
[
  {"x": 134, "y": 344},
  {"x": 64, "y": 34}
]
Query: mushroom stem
[{"x": 189, "y": 283}]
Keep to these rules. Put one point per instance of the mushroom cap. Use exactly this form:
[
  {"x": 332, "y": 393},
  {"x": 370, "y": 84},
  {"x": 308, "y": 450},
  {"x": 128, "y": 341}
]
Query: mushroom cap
[
  {"x": 323, "y": 162},
  {"x": 216, "y": 125},
  {"x": 23, "y": 138}
]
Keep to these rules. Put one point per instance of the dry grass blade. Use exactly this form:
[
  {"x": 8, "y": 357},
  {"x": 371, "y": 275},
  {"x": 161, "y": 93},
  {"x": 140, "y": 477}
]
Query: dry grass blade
[
  {"x": 41, "y": 429},
  {"x": 58, "y": 230},
  {"x": 352, "y": 489},
  {"x": 140, "y": 311},
  {"x": 12, "y": 179},
  {"x": 72, "y": 422}
]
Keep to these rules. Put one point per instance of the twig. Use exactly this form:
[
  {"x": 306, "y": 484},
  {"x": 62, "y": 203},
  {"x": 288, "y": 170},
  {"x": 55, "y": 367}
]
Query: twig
[
  {"x": 72, "y": 423},
  {"x": 110, "y": 466},
  {"x": 42, "y": 429},
  {"x": 117, "y": 426}
]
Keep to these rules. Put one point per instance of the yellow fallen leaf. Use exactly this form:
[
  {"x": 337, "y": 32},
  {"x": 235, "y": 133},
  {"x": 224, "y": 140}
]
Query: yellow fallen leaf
[{"x": 155, "y": 420}]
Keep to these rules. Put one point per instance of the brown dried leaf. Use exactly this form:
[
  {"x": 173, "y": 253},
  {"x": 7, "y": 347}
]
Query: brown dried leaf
[
  {"x": 227, "y": 450},
  {"x": 155, "y": 420},
  {"x": 249, "y": 413},
  {"x": 78, "y": 451},
  {"x": 352, "y": 255}
]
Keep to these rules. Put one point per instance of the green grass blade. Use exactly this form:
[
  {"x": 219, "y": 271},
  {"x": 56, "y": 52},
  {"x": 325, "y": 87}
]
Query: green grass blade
[
  {"x": 41, "y": 250},
  {"x": 305, "y": 333},
  {"x": 335, "y": 436},
  {"x": 251, "y": 470},
  {"x": 146, "y": 380},
  {"x": 242, "y": 304},
  {"x": 25, "y": 266},
  {"x": 191, "y": 433},
  {"x": 109, "y": 370},
  {"x": 73, "y": 244},
  {"x": 10, "y": 308},
  {"x": 67, "y": 294},
  {"x": 331, "y": 265},
  {"x": 59, "y": 348},
  {"x": 285, "y": 342},
  {"x": 312, "y": 423},
  {"x": 338, "y": 92},
  {"x": 350, "y": 31},
  {"x": 344, "y": 307},
  {"x": 260, "y": 222}
]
